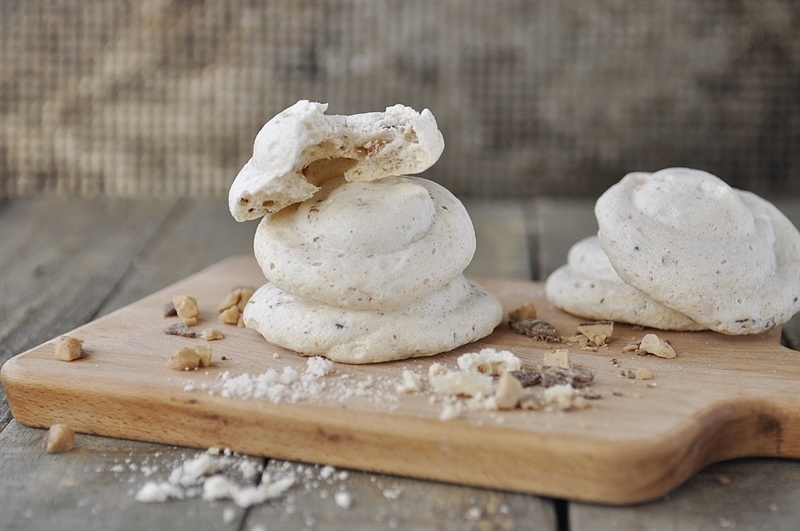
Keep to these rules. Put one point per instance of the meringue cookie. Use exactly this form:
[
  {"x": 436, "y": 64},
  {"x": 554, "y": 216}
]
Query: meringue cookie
[
  {"x": 725, "y": 258},
  {"x": 300, "y": 148},
  {"x": 367, "y": 245},
  {"x": 589, "y": 287},
  {"x": 459, "y": 313}
]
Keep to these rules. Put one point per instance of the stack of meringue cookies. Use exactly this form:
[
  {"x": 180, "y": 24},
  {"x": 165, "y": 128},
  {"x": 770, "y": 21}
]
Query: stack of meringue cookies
[{"x": 365, "y": 263}]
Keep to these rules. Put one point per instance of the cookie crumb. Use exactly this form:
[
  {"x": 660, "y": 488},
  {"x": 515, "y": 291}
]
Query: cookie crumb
[
  {"x": 68, "y": 348},
  {"x": 343, "y": 499},
  {"x": 411, "y": 383},
  {"x": 564, "y": 397},
  {"x": 489, "y": 361},
  {"x": 557, "y": 358},
  {"x": 509, "y": 392}
]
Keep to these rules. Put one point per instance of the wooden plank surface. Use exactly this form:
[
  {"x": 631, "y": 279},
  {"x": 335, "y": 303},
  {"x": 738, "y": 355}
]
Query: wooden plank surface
[
  {"x": 768, "y": 479},
  {"x": 739, "y": 494},
  {"x": 60, "y": 259}
]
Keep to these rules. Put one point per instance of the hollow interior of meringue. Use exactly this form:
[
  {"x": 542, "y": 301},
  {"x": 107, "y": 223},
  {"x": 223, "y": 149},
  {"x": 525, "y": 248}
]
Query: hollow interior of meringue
[{"x": 320, "y": 171}]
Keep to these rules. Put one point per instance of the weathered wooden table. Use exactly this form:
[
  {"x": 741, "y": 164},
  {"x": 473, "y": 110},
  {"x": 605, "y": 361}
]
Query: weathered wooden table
[{"x": 64, "y": 262}]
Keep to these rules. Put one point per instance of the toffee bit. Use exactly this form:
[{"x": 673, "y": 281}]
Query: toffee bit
[
  {"x": 589, "y": 394},
  {"x": 170, "y": 310},
  {"x": 577, "y": 377},
  {"x": 535, "y": 329},
  {"x": 179, "y": 329},
  {"x": 528, "y": 377}
]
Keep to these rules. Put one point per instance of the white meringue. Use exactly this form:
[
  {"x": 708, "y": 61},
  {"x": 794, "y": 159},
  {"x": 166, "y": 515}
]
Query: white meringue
[{"x": 725, "y": 258}]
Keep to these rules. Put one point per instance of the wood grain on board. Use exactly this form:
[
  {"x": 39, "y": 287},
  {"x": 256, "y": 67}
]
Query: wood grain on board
[{"x": 722, "y": 397}]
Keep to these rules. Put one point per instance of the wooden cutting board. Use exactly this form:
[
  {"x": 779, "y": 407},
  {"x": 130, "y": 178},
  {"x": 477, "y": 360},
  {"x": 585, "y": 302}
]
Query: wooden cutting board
[{"x": 722, "y": 397}]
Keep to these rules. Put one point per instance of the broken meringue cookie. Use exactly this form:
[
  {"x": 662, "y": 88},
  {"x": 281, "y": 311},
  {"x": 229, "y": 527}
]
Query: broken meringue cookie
[
  {"x": 301, "y": 148},
  {"x": 725, "y": 258},
  {"x": 588, "y": 286},
  {"x": 364, "y": 263}
]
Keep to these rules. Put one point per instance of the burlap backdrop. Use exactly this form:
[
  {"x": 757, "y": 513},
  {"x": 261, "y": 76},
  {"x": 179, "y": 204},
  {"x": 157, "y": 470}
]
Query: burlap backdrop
[{"x": 132, "y": 97}]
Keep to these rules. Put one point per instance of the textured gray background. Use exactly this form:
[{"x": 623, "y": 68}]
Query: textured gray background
[{"x": 132, "y": 97}]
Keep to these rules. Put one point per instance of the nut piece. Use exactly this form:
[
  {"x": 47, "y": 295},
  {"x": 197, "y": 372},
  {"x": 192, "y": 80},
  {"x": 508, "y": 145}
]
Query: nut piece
[
  {"x": 211, "y": 334},
  {"x": 509, "y": 392},
  {"x": 230, "y": 315},
  {"x": 652, "y": 344},
  {"x": 59, "y": 438},
  {"x": 557, "y": 358},
  {"x": 204, "y": 353},
  {"x": 238, "y": 297},
  {"x": 187, "y": 309},
  {"x": 190, "y": 358},
  {"x": 526, "y": 311},
  {"x": 68, "y": 348}
]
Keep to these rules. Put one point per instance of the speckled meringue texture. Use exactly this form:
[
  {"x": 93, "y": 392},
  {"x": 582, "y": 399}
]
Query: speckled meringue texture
[
  {"x": 589, "y": 287},
  {"x": 459, "y": 313},
  {"x": 725, "y": 258},
  {"x": 301, "y": 147},
  {"x": 367, "y": 245}
]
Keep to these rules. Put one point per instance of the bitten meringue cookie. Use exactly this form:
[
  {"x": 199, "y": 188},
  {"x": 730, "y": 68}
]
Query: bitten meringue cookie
[
  {"x": 589, "y": 287},
  {"x": 364, "y": 263},
  {"x": 725, "y": 258},
  {"x": 301, "y": 147}
]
